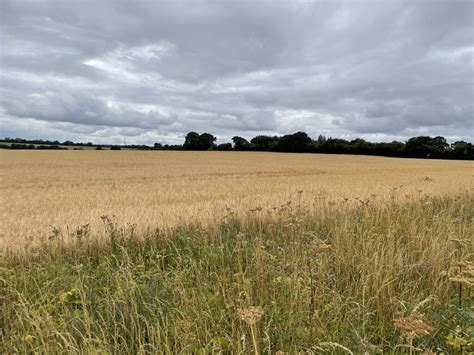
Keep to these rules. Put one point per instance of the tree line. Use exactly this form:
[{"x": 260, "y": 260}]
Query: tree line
[{"x": 299, "y": 142}]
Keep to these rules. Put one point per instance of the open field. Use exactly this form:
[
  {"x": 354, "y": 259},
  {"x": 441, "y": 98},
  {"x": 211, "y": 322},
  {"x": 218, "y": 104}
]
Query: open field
[
  {"x": 393, "y": 279},
  {"x": 69, "y": 189},
  {"x": 269, "y": 253}
]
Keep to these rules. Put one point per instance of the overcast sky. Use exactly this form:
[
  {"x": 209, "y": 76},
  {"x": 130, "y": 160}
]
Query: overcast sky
[{"x": 151, "y": 71}]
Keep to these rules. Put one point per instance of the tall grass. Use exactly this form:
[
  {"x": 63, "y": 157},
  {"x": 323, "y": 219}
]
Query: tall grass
[{"x": 339, "y": 281}]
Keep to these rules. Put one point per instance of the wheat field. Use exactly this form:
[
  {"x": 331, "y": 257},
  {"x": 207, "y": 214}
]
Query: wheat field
[
  {"x": 43, "y": 191},
  {"x": 182, "y": 252}
]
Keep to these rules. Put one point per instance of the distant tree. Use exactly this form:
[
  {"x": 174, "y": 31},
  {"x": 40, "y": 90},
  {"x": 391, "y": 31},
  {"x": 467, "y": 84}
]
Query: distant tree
[
  {"x": 441, "y": 142},
  {"x": 462, "y": 150},
  {"x": 115, "y": 147},
  {"x": 241, "y": 143},
  {"x": 418, "y": 147},
  {"x": 206, "y": 141},
  {"x": 426, "y": 147},
  {"x": 158, "y": 146},
  {"x": 265, "y": 143},
  {"x": 315, "y": 145},
  {"x": 98, "y": 148},
  {"x": 224, "y": 146},
  {"x": 334, "y": 145},
  {"x": 392, "y": 149},
  {"x": 196, "y": 141},
  {"x": 321, "y": 139},
  {"x": 173, "y": 147},
  {"x": 21, "y": 146},
  {"x": 359, "y": 146},
  {"x": 297, "y": 143},
  {"x": 191, "y": 141},
  {"x": 50, "y": 147}
]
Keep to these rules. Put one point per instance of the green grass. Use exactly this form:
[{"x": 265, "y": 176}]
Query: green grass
[{"x": 331, "y": 282}]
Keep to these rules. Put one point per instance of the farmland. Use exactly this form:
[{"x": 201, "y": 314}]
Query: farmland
[
  {"x": 140, "y": 252},
  {"x": 67, "y": 190}
]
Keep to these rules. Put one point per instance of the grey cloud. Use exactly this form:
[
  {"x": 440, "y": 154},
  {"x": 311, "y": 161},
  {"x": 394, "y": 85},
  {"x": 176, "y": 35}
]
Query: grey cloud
[{"x": 155, "y": 70}]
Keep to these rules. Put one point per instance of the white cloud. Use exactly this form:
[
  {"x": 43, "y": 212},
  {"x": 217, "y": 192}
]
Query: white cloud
[{"x": 154, "y": 71}]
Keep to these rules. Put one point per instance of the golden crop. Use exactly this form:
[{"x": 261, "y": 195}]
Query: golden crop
[
  {"x": 327, "y": 253},
  {"x": 68, "y": 189}
]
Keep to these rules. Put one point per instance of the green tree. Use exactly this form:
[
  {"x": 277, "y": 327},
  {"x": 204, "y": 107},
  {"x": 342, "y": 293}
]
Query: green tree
[
  {"x": 241, "y": 143},
  {"x": 224, "y": 146},
  {"x": 426, "y": 147},
  {"x": 297, "y": 142},
  {"x": 265, "y": 143},
  {"x": 191, "y": 141},
  {"x": 206, "y": 141},
  {"x": 462, "y": 150}
]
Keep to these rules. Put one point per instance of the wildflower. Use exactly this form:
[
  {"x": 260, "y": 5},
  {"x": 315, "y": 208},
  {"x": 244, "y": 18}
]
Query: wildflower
[
  {"x": 251, "y": 315},
  {"x": 412, "y": 326},
  {"x": 462, "y": 272}
]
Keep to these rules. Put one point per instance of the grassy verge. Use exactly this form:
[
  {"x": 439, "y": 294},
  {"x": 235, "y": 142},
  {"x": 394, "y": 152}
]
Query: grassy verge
[{"x": 393, "y": 278}]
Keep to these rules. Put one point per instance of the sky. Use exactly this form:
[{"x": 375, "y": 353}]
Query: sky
[{"x": 151, "y": 71}]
